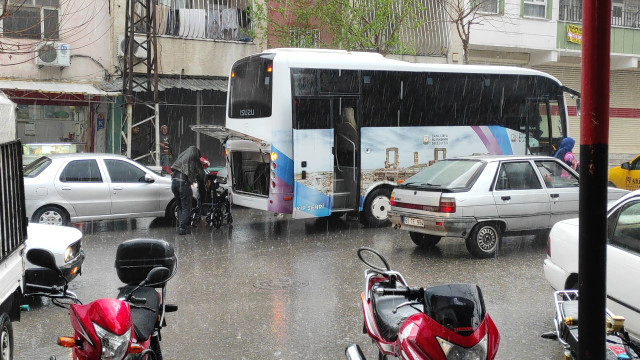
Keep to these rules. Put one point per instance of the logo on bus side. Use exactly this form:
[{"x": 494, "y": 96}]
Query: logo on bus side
[{"x": 247, "y": 112}]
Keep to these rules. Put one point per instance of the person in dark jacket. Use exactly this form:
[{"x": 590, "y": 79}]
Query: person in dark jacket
[{"x": 186, "y": 170}]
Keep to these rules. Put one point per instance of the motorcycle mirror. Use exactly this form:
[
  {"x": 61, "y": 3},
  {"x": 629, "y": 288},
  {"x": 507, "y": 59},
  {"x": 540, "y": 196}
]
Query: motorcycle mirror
[
  {"x": 43, "y": 258},
  {"x": 157, "y": 275}
]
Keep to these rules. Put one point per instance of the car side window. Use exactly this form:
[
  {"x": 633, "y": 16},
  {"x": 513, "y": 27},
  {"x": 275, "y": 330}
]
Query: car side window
[
  {"x": 556, "y": 176},
  {"x": 124, "y": 172},
  {"x": 81, "y": 171},
  {"x": 517, "y": 176},
  {"x": 626, "y": 230}
]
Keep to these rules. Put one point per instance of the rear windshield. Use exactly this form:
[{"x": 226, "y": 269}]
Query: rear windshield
[
  {"x": 251, "y": 87},
  {"x": 447, "y": 174},
  {"x": 35, "y": 168}
]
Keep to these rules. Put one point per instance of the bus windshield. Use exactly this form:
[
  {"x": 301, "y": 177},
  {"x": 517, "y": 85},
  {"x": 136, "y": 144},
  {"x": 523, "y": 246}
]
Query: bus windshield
[{"x": 251, "y": 88}]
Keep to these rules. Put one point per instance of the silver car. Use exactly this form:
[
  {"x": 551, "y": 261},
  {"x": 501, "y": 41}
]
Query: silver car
[
  {"x": 69, "y": 188},
  {"x": 482, "y": 198}
]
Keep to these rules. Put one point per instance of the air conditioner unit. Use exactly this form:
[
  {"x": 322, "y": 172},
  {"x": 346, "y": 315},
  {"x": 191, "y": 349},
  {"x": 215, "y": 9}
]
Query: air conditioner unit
[
  {"x": 52, "y": 54},
  {"x": 138, "y": 51}
]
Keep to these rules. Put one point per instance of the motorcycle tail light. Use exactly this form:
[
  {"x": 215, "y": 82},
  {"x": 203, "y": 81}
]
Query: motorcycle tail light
[
  {"x": 456, "y": 352},
  {"x": 66, "y": 341}
]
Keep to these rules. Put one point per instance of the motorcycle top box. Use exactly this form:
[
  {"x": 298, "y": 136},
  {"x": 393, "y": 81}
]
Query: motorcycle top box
[{"x": 135, "y": 258}]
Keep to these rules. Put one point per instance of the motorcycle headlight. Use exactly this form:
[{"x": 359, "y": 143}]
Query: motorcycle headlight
[
  {"x": 114, "y": 347},
  {"x": 457, "y": 352}
]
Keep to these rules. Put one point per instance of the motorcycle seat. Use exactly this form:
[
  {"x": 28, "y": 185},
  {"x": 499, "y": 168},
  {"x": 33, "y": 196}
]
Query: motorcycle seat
[
  {"x": 144, "y": 321},
  {"x": 388, "y": 322}
]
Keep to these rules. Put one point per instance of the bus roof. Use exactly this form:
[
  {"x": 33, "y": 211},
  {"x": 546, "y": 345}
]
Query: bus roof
[{"x": 357, "y": 60}]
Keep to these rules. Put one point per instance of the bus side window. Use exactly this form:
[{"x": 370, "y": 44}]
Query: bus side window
[{"x": 312, "y": 113}]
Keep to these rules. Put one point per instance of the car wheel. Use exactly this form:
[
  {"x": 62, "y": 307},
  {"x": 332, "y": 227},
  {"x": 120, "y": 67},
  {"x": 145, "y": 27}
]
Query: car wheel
[
  {"x": 171, "y": 213},
  {"x": 483, "y": 241},
  {"x": 6, "y": 338},
  {"x": 51, "y": 215},
  {"x": 424, "y": 240},
  {"x": 376, "y": 208}
]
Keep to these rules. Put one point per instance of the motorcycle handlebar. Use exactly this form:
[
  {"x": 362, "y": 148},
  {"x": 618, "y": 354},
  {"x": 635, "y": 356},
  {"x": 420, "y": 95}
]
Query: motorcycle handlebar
[{"x": 409, "y": 293}]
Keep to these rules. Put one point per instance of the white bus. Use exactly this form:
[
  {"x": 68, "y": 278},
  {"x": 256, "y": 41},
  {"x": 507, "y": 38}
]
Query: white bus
[{"x": 316, "y": 133}]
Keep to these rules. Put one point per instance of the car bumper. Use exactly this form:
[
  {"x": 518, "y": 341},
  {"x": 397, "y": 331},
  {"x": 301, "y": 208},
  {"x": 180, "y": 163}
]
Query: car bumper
[
  {"x": 554, "y": 274},
  {"x": 433, "y": 224},
  {"x": 46, "y": 277}
]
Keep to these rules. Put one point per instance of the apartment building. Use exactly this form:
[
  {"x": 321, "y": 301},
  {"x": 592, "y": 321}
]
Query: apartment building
[
  {"x": 546, "y": 35},
  {"x": 52, "y": 53},
  {"x": 198, "y": 40}
]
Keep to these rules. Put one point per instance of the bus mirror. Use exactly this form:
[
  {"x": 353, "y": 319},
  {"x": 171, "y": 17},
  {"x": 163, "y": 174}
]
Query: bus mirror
[{"x": 578, "y": 106}]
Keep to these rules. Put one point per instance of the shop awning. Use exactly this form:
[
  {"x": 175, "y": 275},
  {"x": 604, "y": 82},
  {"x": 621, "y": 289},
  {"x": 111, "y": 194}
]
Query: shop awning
[
  {"x": 164, "y": 83},
  {"x": 54, "y": 87}
]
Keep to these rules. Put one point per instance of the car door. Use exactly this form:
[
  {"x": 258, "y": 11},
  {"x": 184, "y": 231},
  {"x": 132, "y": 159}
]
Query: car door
[
  {"x": 130, "y": 192},
  {"x": 83, "y": 186},
  {"x": 623, "y": 264},
  {"x": 521, "y": 201},
  {"x": 562, "y": 187}
]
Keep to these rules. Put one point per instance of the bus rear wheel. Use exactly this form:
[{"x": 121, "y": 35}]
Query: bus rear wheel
[{"x": 376, "y": 208}]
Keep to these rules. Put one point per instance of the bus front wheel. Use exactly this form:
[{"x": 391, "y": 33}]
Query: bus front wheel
[{"x": 376, "y": 208}]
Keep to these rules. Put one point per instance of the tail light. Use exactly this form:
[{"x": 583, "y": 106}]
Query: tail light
[
  {"x": 549, "y": 246},
  {"x": 392, "y": 201},
  {"x": 447, "y": 205}
]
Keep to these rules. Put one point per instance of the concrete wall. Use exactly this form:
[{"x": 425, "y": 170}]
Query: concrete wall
[
  {"x": 85, "y": 26},
  {"x": 515, "y": 31}
]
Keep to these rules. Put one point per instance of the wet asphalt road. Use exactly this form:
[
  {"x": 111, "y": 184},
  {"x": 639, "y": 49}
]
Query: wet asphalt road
[{"x": 272, "y": 288}]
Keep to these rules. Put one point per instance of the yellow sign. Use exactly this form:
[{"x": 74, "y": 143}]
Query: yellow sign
[{"x": 574, "y": 34}]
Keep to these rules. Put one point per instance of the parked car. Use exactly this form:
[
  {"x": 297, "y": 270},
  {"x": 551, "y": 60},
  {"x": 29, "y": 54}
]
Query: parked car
[
  {"x": 482, "y": 198},
  {"x": 66, "y": 245},
  {"x": 68, "y": 188},
  {"x": 623, "y": 259},
  {"x": 627, "y": 175}
]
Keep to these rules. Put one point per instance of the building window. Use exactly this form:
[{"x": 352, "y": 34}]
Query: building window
[
  {"x": 571, "y": 10},
  {"x": 487, "y": 6},
  {"x": 535, "y": 8},
  {"x": 32, "y": 19}
]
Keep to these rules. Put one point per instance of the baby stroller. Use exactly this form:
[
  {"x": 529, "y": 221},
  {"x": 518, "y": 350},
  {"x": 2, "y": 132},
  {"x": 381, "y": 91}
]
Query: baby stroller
[{"x": 216, "y": 203}]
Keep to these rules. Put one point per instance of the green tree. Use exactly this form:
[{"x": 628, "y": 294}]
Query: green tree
[{"x": 367, "y": 25}]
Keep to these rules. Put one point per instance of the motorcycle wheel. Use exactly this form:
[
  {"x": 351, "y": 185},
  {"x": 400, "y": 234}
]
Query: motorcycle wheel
[
  {"x": 381, "y": 356},
  {"x": 155, "y": 346}
]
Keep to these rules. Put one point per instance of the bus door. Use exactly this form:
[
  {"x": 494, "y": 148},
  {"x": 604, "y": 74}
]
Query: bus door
[
  {"x": 312, "y": 157},
  {"x": 544, "y": 125},
  {"x": 346, "y": 167}
]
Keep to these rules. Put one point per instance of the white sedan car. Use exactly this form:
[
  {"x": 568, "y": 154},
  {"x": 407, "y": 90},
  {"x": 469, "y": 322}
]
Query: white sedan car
[
  {"x": 65, "y": 243},
  {"x": 623, "y": 259},
  {"x": 481, "y": 198},
  {"x": 69, "y": 188}
]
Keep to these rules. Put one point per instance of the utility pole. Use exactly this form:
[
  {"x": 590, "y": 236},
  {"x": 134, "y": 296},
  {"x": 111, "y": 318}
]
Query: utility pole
[{"x": 141, "y": 20}]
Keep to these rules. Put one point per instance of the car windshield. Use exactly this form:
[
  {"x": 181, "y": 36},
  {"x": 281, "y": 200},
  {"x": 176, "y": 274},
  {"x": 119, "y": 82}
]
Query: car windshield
[
  {"x": 36, "y": 167},
  {"x": 447, "y": 174}
]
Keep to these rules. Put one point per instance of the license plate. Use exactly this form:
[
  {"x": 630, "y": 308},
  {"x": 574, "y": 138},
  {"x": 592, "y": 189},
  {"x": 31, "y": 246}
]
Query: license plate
[{"x": 413, "y": 221}]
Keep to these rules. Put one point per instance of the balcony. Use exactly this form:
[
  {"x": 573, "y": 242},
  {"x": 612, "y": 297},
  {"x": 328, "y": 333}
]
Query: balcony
[
  {"x": 619, "y": 18},
  {"x": 225, "y": 20}
]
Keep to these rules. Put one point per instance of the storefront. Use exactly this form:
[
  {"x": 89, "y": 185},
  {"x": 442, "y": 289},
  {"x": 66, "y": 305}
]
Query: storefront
[{"x": 57, "y": 117}]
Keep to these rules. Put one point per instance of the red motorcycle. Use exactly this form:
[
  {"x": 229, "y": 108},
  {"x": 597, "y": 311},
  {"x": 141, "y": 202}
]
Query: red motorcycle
[
  {"x": 127, "y": 327},
  {"x": 441, "y": 322}
]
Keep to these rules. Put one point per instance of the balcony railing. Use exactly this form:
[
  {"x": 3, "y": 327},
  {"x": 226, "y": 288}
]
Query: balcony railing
[
  {"x": 618, "y": 18},
  {"x": 204, "y": 19}
]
